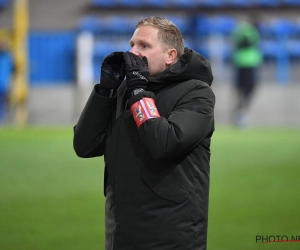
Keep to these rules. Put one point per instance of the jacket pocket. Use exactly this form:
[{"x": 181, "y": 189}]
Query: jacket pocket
[{"x": 166, "y": 187}]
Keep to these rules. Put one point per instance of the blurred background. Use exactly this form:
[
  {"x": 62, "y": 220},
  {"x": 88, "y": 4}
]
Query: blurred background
[
  {"x": 66, "y": 42},
  {"x": 50, "y": 58}
]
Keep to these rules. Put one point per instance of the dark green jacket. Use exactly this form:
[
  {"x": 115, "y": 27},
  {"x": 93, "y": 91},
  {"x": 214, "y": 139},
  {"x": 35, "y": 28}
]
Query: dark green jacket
[
  {"x": 246, "y": 46},
  {"x": 157, "y": 176}
]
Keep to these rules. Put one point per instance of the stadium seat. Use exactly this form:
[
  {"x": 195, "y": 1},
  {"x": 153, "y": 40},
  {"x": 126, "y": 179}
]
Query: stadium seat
[
  {"x": 219, "y": 24},
  {"x": 130, "y": 3},
  {"x": 265, "y": 29},
  {"x": 277, "y": 28},
  {"x": 120, "y": 24},
  {"x": 297, "y": 27},
  {"x": 202, "y": 25},
  {"x": 104, "y": 47},
  {"x": 215, "y": 30},
  {"x": 270, "y": 49},
  {"x": 157, "y": 3},
  {"x": 275, "y": 45},
  {"x": 223, "y": 24},
  {"x": 4, "y": 3},
  {"x": 212, "y": 3},
  {"x": 109, "y": 25},
  {"x": 240, "y": 3},
  {"x": 291, "y": 2},
  {"x": 184, "y": 3},
  {"x": 89, "y": 23},
  {"x": 268, "y": 3},
  {"x": 293, "y": 48},
  {"x": 284, "y": 26},
  {"x": 274, "y": 51}
]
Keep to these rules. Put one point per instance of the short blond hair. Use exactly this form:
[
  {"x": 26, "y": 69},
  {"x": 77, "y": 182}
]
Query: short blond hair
[{"x": 168, "y": 33}]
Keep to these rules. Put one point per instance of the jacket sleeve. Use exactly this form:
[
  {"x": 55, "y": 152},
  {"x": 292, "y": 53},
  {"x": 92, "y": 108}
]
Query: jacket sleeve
[
  {"x": 191, "y": 121},
  {"x": 90, "y": 130}
]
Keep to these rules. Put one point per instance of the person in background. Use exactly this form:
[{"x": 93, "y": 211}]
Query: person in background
[
  {"x": 247, "y": 57},
  {"x": 6, "y": 71},
  {"x": 154, "y": 130}
]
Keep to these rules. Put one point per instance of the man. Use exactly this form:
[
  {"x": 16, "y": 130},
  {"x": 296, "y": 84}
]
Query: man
[
  {"x": 154, "y": 131},
  {"x": 247, "y": 58}
]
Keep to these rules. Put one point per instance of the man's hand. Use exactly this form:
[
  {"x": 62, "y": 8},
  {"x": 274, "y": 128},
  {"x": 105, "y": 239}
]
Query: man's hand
[
  {"x": 137, "y": 72},
  {"x": 112, "y": 73}
]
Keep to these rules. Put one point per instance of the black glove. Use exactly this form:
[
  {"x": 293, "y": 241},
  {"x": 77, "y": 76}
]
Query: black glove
[
  {"x": 137, "y": 72},
  {"x": 112, "y": 73}
]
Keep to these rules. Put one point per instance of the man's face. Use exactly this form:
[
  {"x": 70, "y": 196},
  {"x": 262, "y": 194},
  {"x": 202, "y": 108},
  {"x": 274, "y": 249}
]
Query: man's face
[{"x": 144, "y": 42}]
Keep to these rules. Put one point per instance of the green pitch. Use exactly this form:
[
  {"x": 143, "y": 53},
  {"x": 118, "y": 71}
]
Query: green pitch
[{"x": 51, "y": 199}]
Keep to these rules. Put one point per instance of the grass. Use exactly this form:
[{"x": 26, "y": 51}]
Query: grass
[{"x": 51, "y": 199}]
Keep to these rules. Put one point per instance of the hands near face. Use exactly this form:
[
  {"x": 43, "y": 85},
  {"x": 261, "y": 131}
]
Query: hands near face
[
  {"x": 137, "y": 72},
  {"x": 112, "y": 73},
  {"x": 118, "y": 64}
]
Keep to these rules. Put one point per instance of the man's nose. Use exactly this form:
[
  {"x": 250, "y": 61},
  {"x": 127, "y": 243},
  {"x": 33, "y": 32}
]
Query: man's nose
[{"x": 135, "y": 51}]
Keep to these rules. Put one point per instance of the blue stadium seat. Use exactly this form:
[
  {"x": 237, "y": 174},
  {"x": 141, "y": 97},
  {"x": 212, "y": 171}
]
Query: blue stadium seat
[
  {"x": 4, "y": 3},
  {"x": 268, "y": 3},
  {"x": 104, "y": 47},
  {"x": 293, "y": 48},
  {"x": 89, "y": 23},
  {"x": 214, "y": 29},
  {"x": 223, "y": 24},
  {"x": 276, "y": 36},
  {"x": 157, "y": 3},
  {"x": 185, "y": 3},
  {"x": 270, "y": 49},
  {"x": 297, "y": 27},
  {"x": 212, "y": 3},
  {"x": 284, "y": 27},
  {"x": 265, "y": 29},
  {"x": 202, "y": 25},
  {"x": 291, "y": 2},
  {"x": 219, "y": 24},
  {"x": 130, "y": 3},
  {"x": 109, "y": 25},
  {"x": 277, "y": 28},
  {"x": 121, "y": 24},
  {"x": 240, "y": 3}
]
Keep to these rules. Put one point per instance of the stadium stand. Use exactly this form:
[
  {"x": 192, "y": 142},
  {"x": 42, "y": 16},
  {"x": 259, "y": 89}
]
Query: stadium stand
[
  {"x": 193, "y": 3},
  {"x": 280, "y": 44},
  {"x": 280, "y": 37}
]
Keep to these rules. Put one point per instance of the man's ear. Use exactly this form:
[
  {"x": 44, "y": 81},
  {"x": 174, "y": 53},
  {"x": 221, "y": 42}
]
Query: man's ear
[{"x": 172, "y": 56}]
